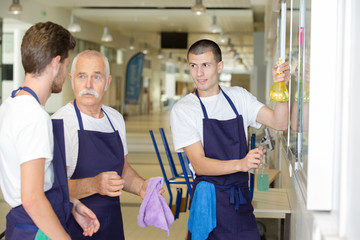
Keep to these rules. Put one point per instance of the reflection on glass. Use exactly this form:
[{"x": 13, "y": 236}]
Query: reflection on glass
[
  {"x": 300, "y": 57},
  {"x": 305, "y": 77},
  {"x": 1, "y": 61},
  {"x": 293, "y": 51}
]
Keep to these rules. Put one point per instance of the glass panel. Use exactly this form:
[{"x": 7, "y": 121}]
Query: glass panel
[
  {"x": 293, "y": 41},
  {"x": 1, "y": 66},
  {"x": 304, "y": 89},
  {"x": 300, "y": 62}
]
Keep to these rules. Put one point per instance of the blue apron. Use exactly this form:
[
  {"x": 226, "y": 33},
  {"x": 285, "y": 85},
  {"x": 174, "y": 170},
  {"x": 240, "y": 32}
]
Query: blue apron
[
  {"x": 99, "y": 152},
  {"x": 226, "y": 140},
  {"x": 18, "y": 223}
]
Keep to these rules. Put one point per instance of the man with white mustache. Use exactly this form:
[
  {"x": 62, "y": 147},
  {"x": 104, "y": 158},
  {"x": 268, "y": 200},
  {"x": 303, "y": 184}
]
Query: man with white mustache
[
  {"x": 89, "y": 91},
  {"x": 96, "y": 149}
]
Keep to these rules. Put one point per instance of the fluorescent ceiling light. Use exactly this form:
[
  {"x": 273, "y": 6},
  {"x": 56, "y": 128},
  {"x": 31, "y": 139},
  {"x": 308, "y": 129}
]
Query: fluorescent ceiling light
[
  {"x": 74, "y": 26},
  {"x": 15, "y": 7},
  {"x": 106, "y": 37},
  {"x": 145, "y": 50},
  {"x": 198, "y": 8},
  {"x": 214, "y": 28},
  {"x": 131, "y": 46},
  {"x": 222, "y": 38}
]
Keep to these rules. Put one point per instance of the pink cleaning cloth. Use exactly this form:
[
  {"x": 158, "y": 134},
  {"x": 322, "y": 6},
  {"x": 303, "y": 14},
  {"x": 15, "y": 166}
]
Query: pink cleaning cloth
[{"x": 154, "y": 211}]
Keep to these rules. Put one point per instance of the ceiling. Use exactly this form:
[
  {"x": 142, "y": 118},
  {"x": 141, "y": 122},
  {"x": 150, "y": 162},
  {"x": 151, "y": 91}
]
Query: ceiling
[{"x": 146, "y": 19}]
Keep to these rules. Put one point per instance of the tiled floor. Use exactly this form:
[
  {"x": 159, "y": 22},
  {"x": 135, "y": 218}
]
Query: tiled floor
[{"x": 143, "y": 159}]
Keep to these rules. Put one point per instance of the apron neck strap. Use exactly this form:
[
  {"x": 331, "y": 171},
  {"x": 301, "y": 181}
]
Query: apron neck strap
[
  {"x": 227, "y": 98},
  {"x": 26, "y": 89},
  {"x": 108, "y": 119},
  {"x": 202, "y": 105},
  {"x": 230, "y": 102},
  {"x": 78, "y": 114}
]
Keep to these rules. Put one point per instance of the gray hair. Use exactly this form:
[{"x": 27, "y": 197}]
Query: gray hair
[{"x": 91, "y": 53}]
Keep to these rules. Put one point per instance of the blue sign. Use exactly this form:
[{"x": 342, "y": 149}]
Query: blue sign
[{"x": 134, "y": 78}]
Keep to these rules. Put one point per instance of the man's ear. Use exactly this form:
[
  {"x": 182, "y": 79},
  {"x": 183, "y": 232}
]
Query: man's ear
[
  {"x": 55, "y": 64},
  {"x": 72, "y": 81},
  {"x": 108, "y": 83},
  {"x": 220, "y": 66}
]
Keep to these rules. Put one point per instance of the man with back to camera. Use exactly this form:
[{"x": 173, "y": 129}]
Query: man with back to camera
[
  {"x": 31, "y": 158},
  {"x": 210, "y": 125},
  {"x": 96, "y": 147}
]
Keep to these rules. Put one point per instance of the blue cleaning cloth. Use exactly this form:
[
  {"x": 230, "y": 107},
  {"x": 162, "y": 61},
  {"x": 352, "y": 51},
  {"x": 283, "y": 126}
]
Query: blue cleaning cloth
[
  {"x": 202, "y": 218},
  {"x": 154, "y": 211}
]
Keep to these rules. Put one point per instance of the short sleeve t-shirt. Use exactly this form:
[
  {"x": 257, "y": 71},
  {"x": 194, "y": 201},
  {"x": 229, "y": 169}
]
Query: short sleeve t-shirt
[
  {"x": 25, "y": 134},
  {"x": 186, "y": 118},
  {"x": 71, "y": 127}
]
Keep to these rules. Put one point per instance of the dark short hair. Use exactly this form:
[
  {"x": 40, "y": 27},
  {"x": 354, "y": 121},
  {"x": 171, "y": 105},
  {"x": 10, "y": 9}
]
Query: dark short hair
[
  {"x": 41, "y": 43},
  {"x": 203, "y": 46}
]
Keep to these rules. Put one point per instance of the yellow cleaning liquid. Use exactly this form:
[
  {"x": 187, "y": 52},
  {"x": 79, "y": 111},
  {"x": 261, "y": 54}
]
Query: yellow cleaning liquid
[
  {"x": 306, "y": 93},
  {"x": 278, "y": 91}
]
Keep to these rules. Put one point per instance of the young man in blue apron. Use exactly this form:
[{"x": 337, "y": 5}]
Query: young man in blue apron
[
  {"x": 210, "y": 125},
  {"x": 32, "y": 164},
  {"x": 96, "y": 147}
]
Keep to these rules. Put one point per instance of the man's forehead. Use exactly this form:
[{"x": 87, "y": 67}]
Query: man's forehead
[
  {"x": 90, "y": 65},
  {"x": 204, "y": 57},
  {"x": 87, "y": 71}
]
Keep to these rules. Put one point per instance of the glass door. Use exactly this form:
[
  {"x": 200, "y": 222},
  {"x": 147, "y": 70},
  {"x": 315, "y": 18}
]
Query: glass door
[{"x": 1, "y": 65}]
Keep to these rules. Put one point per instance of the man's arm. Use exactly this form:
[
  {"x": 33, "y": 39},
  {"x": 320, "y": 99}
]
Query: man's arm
[
  {"x": 105, "y": 183},
  {"x": 276, "y": 118},
  {"x": 35, "y": 202},
  {"x": 209, "y": 166},
  {"x": 133, "y": 182},
  {"x": 85, "y": 218}
]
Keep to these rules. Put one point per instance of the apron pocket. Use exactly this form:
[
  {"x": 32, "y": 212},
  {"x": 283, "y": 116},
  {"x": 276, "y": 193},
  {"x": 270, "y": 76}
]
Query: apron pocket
[{"x": 24, "y": 231}]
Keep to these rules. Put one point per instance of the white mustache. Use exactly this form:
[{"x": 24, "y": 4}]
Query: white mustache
[{"x": 89, "y": 91}]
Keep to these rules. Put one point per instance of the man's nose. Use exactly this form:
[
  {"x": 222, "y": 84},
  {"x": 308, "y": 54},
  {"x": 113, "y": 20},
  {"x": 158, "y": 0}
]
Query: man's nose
[
  {"x": 200, "y": 72},
  {"x": 88, "y": 82}
]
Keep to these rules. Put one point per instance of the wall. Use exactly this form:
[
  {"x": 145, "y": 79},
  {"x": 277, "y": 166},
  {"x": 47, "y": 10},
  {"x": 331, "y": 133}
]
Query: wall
[
  {"x": 259, "y": 72},
  {"x": 325, "y": 203},
  {"x": 156, "y": 79},
  {"x": 242, "y": 80},
  {"x": 352, "y": 229},
  {"x": 33, "y": 12},
  {"x": 301, "y": 219}
]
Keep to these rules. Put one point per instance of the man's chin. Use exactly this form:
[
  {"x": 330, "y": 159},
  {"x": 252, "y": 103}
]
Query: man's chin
[
  {"x": 56, "y": 90},
  {"x": 87, "y": 99}
]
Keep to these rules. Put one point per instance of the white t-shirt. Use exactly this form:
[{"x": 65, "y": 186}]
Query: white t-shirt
[
  {"x": 25, "y": 134},
  {"x": 186, "y": 118},
  {"x": 71, "y": 127}
]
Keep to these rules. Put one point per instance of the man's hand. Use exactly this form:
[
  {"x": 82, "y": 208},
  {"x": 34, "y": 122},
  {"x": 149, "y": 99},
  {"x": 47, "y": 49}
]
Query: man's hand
[
  {"x": 108, "y": 183},
  {"x": 285, "y": 72},
  {"x": 143, "y": 189},
  {"x": 85, "y": 218},
  {"x": 252, "y": 159}
]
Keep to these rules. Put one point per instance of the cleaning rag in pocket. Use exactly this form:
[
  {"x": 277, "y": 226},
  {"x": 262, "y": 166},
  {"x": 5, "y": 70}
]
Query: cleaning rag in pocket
[{"x": 202, "y": 218}]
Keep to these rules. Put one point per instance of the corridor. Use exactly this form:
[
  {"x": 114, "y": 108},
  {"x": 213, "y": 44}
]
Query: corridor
[{"x": 143, "y": 159}]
